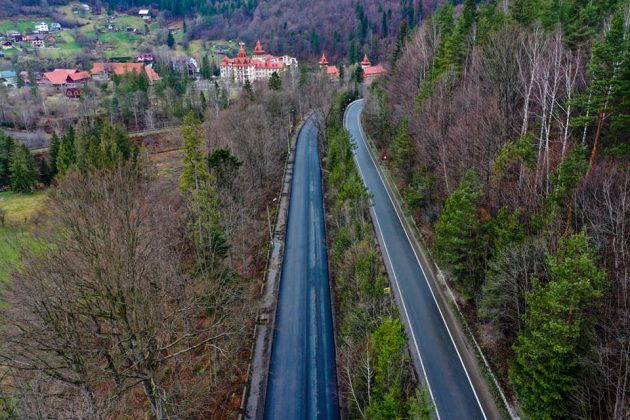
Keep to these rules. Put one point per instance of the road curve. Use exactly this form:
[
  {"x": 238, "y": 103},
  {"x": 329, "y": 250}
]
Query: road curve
[
  {"x": 302, "y": 381},
  {"x": 431, "y": 341}
]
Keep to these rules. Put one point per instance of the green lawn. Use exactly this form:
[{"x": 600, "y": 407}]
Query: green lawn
[
  {"x": 125, "y": 43},
  {"x": 21, "y": 25},
  {"x": 125, "y": 20},
  {"x": 20, "y": 210}
]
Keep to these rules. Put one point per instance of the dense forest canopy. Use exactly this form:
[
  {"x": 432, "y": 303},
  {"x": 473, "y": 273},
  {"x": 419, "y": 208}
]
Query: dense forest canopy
[
  {"x": 341, "y": 28},
  {"x": 507, "y": 125}
]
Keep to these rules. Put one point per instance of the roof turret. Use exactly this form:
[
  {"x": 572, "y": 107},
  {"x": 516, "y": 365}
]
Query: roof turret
[
  {"x": 241, "y": 51},
  {"x": 366, "y": 61},
  {"x": 258, "y": 50}
]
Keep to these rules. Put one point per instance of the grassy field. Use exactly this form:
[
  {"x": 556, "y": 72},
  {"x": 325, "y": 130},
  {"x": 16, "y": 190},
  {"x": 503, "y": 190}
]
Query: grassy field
[
  {"x": 123, "y": 42},
  {"x": 20, "y": 210},
  {"x": 21, "y": 25}
]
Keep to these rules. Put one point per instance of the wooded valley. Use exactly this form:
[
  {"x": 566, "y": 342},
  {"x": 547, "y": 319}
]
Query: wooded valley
[{"x": 507, "y": 130}]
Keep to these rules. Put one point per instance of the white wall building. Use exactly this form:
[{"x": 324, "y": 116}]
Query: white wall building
[
  {"x": 41, "y": 27},
  {"x": 259, "y": 67}
]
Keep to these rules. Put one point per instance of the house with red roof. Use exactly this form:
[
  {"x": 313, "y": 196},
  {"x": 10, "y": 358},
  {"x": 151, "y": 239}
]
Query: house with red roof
[
  {"x": 145, "y": 57},
  {"x": 260, "y": 66},
  {"x": 371, "y": 72},
  {"x": 103, "y": 71},
  {"x": 63, "y": 77},
  {"x": 331, "y": 71}
]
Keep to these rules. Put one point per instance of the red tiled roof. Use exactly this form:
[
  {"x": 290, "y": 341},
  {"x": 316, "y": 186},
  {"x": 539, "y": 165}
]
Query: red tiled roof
[
  {"x": 124, "y": 68},
  {"x": 117, "y": 68},
  {"x": 79, "y": 76},
  {"x": 241, "y": 51},
  {"x": 332, "y": 70},
  {"x": 268, "y": 65},
  {"x": 258, "y": 50},
  {"x": 365, "y": 61},
  {"x": 323, "y": 61},
  {"x": 63, "y": 76},
  {"x": 152, "y": 74},
  {"x": 374, "y": 71}
]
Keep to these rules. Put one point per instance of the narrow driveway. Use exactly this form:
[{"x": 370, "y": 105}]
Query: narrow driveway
[
  {"x": 302, "y": 380},
  {"x": 431, "y": 342}
]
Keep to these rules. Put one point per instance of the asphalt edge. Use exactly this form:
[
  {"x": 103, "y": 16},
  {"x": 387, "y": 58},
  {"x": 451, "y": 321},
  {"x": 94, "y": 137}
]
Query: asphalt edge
[
  {"x": 446, "y": 302},
  {"x": 322, "y": 144},
  {"x": 254, "y": 393}
]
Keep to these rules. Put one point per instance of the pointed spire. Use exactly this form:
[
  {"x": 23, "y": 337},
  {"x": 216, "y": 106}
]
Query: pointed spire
[
  {"x": 366, "y": 61},
  {"x": 323, "y": 61},
  {"x": 258, "y": 50},
  {"x": 241, "y": 51}
]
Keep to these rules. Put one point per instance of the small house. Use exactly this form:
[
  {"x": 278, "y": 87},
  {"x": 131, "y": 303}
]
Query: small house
[
  {"x": 145, "y": 57},
  {"x": 41, "y": 27},
  {"x": 8, "y": 78},
  {"x": 7, "y": 45},
  {"x": 14, "y": 36},
  {"x": 55, "y": 26},
  {"x": 185, "y": 65},
  {"x": 59, "y": 77},
  {"x": 145, "y": 14}
]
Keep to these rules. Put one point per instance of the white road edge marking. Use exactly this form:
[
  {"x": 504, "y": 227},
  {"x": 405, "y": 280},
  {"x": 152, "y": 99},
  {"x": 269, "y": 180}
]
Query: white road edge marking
[
  {"x": 413, "y": 335},
  {"x": 417, "y": 260}
]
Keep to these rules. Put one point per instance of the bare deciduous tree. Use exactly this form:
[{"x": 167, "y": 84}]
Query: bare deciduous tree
[{"x": 106, "y": 307}]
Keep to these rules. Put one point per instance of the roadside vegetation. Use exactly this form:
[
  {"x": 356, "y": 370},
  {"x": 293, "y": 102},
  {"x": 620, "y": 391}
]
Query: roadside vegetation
[
  {"x": 506, "y": 132},
  {"x": 17, "y": 212},
  {"x": 151, "y": 275},
  {"x": 376, "y": 372}
]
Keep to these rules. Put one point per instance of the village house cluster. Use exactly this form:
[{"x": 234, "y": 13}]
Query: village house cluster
[
  {"x": 72, "y": 80},
  {"x": 260, "y": 66},
  {"x": 37, "y": 38},
  {"x": 370, "y": 72}
]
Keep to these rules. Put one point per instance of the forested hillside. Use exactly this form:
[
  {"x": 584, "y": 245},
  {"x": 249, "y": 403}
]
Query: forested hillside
[
  {"x": 344, "y": 29},
  {"x": 144, "y": 301},
  {"x": 507, "y": 129}
]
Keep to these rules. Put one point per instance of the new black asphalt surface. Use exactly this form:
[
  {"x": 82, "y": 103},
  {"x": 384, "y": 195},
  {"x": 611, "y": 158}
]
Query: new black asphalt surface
[
  {"x": 441, "y": 364},
  {"x": 302, "y": 380}
]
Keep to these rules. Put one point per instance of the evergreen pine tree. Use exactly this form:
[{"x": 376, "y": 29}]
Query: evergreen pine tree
[
  {"x": 206, "y": 72},
  {"x": 384, "y": 29},
  {"x": 357, "y": 76},
  {"x": 400, "y": 42},
  {"x": 388, "y": 344},
  {"x": 44, "y": 172},
  {"x": 197, "y": 184},
  {"x": 605, "y": 71},
  {"x": 274, "y": 83},
  {"x": 522, "y": 11},
  {"x": 6, "y": 147},
  {"x": 53, "y": 152},
  {"x": 34, "y": 86},
  {"x": 457, "y": 232},
  {"x": 170, "y": 40},
  {"x": 558, "y": 328},
  {"x": 402, "y": 152},
  {"x": 194, "y": 175},
  {"x": 22, "y": 170},
  {"x": 67, "y": 156},
  {"x": 248, "y": 90}
]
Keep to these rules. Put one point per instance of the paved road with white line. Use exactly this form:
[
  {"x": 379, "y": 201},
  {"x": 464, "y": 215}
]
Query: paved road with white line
[
  {"x": 440, "y": 363},
  {"x": 302, "y": 380}
]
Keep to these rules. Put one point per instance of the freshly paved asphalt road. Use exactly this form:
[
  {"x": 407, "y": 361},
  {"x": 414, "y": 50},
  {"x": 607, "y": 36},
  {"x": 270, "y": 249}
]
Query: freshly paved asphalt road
[
  {"x": 302, "y": 380},
  {"x": 441, "y": 364}
]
